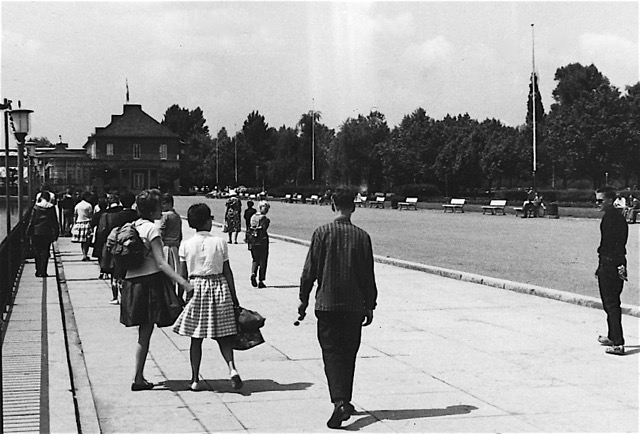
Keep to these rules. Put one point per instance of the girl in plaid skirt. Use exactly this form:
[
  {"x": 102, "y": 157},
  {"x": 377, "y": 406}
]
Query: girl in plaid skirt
[
  {"x": 81, "y": 231},
  {"x": 210, "y": 312}
]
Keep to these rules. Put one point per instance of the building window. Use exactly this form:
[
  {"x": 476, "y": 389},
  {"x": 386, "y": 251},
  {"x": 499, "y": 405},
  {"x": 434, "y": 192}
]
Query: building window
[
  {"x": 109, "y": 148},
  {"x": 136, "y": 151},
  {"x": 163, "y": 152},
  {"x": 94, "y": 151},
  {"x": 138, "y": 181}
]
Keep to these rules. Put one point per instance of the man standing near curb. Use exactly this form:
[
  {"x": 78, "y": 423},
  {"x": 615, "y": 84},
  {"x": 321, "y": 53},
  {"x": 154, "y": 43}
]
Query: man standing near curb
[
  {"x": 612, "y": 271},
  {"x": 340, "y": 258}
]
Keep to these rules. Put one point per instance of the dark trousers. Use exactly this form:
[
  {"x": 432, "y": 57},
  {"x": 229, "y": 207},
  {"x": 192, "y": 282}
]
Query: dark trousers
[
  {"x": 339, "y": 334},
  {"x": 41, "y": 247},
  {"x": 260, "y": 255},
  {"x": 610, "y": 286}
]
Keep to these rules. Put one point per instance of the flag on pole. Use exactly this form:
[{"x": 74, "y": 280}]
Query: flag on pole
[{"x": 127, "y": 90}]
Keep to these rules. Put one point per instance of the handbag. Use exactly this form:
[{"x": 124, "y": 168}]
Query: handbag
[
  {"x": 247, "y": 339},
  {"x": 170, "y": 305},
  {"x": 225, "y": 228},
  {"x": 248, "y": 320}
]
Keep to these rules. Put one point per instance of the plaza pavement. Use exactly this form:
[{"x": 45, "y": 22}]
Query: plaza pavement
[{"x": 442, "y": 355}]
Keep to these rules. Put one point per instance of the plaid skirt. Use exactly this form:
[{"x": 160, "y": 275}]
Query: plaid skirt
[
  {"x": 209, "y": 313},
  {"x": 81, "y": 232}
]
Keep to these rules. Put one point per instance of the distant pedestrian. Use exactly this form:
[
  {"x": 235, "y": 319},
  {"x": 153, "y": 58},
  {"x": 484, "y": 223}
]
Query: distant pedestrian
[
  {"x": 260, "y": 246},
  {"x": 103, "y": 228},
  {"x": 232, "y": 216},
  {"x": 43, "y": 229},
  {"x": 126, "y": 215},
  {"x": 81, "y": 230},
  {"x": 248, "y": 213},
  {"x": 340, "y": 259},
  {"x": 143, "y": 304},
  {"x": 210, "y": 312},
  {"x": 634, "y": 209},
  {"x": 171, "y": 232},
  {"x": 66, "y": 205},
  {"x": 612, "y": 271}
]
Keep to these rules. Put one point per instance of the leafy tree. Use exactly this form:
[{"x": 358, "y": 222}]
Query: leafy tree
[
  {"x": 41, "y": 142},
  {"x": 196, "y": 143},
  {"x": 629, "y": 153},
  {"x": 584, "y": 127}
]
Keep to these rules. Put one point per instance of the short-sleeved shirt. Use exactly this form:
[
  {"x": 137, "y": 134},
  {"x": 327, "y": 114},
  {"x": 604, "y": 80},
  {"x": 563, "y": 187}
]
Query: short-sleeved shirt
[
  {"x": 148, "y": 232},
  {"x": 171, "y": 228},
  {"x": 84, "y": 211},
  {"x": 204, "y": 254}
]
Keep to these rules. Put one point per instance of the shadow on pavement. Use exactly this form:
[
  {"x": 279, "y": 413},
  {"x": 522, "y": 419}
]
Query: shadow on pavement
[
  {"x": 374, "y": 416},
  {"x": 224, "y": 386}
]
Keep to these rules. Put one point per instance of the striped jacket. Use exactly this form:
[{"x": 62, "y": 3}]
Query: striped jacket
[{"x": 340, "y": 258}]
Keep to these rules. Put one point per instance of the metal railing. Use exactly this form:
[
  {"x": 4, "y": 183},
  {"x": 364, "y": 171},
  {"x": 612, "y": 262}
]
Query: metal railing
[{"x": 11, "y": 262}]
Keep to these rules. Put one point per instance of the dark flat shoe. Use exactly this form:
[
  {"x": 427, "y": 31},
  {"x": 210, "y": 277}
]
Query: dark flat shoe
[
  {"x": 236, "y": 382},
  {"x": 340, "y": 414},
  {"x": 254, "y": 282},
  {"x": 135, "y": 387}
]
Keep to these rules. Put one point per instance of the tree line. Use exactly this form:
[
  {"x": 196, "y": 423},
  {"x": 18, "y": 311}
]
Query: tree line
[{"x": 591, "y": 133}]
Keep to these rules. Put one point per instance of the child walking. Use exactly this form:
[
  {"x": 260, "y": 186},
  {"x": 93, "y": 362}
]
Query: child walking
[{"x": 210, "y": 310}]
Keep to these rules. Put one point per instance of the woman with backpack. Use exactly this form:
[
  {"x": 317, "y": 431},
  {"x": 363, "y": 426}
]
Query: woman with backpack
[
  {"x": 42, "y": 230},
  {"x": 147, "y": 286}
]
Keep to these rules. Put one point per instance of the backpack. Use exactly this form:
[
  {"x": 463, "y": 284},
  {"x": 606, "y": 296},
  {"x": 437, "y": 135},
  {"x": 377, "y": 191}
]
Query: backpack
[
  {"x": 254, "y": 236},
  {"x": 126, "y": 246}
]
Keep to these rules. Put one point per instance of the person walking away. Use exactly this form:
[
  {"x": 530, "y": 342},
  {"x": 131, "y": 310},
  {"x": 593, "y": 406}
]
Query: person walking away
[
  {"x": 115, "y": 220},
  {"x": 143, "y": 303},
  {"x": 340, "y": 259},
  {"x": 43, "y": 229},
  {"x": 171, "y": 233},
  {"x": 210, "y": 312},
  {"x": 81, "y": 230},
  {"x": 248, "y": 213},
  {"x": 67, "y": 204},
  {"x": 612, "y": 271},
  {"x": 232, "y": 215},
  {"x": 102, "y": 230},
  {"x": 259, "y": 245}
]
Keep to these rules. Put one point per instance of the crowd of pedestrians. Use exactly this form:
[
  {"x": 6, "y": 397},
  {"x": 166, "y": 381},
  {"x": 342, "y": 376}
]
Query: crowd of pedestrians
[{"x": 197, "y": 272}]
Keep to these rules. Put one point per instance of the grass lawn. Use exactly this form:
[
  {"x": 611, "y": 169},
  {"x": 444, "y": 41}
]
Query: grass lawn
[{"x": 559, "y": 254}]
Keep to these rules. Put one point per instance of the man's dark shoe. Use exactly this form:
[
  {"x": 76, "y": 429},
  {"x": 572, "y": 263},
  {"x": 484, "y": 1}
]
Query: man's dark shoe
[
  {"x": 340, "y": 414},
  {"x": 254, "y": 282},
  {"x": 261, "y": 284},
  {"x": 616, "y": 350},
  {"x": 350, "y": 408},
  {"x": 605, "y": 341},
  {"x": 236, "y": 382}
]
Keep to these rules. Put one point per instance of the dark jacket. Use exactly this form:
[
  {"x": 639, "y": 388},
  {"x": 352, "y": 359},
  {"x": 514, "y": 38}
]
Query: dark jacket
[
  {"x": 43, "y": 222},
  {"x": 613, "y": 238}
]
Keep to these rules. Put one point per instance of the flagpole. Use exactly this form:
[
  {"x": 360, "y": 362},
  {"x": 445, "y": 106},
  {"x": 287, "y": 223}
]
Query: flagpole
[
  {"x": 533, "y": 105},
  {"x": 313, "y": 140}
]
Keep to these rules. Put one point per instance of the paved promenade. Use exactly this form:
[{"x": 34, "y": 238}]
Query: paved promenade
[{"x": 442, "y": 355}]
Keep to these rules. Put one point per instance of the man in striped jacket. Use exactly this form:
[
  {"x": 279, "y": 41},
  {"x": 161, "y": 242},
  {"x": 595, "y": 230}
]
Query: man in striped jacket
[{"x": 340, "y": 259}]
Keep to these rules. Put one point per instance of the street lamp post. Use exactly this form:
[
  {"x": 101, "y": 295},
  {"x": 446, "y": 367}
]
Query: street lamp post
[{"x": 21, "y": 125}]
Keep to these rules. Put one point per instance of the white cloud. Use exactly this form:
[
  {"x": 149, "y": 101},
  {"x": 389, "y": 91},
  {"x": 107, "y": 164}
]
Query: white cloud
[{"x": 430, "y": 54}]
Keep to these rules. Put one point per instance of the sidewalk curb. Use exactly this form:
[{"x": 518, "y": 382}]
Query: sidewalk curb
[
  {"x": 524, "y": 288},
  {"x": 86, "y": 412}
]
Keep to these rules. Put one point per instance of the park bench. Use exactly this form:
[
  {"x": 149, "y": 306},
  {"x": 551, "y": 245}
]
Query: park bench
[
  {"x": 313, "y": 199},
  {"x": 360, "y": 201},
  {"x": 287, "y": 198},
  {"x": 411, "y": 202},
  {"x": 378, "y": 202},
  {"x": 296, "y": 198},
  {"x": 454, "y": 204},
  {"x": 494, "y": 206}
]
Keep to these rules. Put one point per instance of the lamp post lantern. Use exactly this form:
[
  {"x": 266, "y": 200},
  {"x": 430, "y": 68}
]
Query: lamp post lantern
[{"x": 21, "y": 126}]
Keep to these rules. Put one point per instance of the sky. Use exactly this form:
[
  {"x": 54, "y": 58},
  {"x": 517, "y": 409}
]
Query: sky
[{"x": 70, "y": 61}]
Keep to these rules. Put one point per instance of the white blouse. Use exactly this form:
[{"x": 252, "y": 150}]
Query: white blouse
[{"x": 204, "y": 254}]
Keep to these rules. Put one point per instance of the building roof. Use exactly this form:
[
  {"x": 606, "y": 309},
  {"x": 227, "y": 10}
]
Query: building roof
[{"x": 134, "y": 122}]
